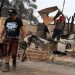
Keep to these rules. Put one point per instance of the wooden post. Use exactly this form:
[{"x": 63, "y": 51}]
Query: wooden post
[{"x": 68, "y": 27}]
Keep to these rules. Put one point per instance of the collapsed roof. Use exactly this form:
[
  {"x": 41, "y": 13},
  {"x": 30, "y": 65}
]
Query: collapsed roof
[{"x": 45, "y": 14}]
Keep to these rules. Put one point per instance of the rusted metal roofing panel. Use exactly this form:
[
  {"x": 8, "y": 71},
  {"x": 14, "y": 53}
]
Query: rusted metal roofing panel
[{"x": 47, "y": 19}]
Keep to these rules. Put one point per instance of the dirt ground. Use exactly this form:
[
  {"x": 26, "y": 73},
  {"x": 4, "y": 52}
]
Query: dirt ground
[{"x": 40, "y": 68}]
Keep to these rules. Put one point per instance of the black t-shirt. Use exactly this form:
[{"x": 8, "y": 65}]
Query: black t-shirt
[{"x": 13, "y": 27}]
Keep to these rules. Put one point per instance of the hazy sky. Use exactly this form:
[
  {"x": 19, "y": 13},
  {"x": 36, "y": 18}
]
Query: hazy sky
[{"x": 69, "y": 7}]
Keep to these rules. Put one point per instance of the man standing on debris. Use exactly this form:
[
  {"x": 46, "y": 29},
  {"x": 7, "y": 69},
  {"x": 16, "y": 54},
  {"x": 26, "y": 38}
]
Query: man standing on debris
[
  {"x": 59, "y": 26},
  {"x": 12, "y": 27},
  {"x": 58, "y": 31}
]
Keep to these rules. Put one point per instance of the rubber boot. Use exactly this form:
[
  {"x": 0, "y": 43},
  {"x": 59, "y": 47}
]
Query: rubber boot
[{"x": 14, "y": 63}]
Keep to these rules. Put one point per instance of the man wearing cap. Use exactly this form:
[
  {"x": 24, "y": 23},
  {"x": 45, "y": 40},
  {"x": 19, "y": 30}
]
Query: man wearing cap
[{"x": 12, "y": 27}]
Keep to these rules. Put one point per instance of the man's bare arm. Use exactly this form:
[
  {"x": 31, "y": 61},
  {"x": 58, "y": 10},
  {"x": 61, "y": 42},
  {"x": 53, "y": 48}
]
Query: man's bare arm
[
  {"x": 2, "y": 32},
  {"x": 23, "y": 31}
]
